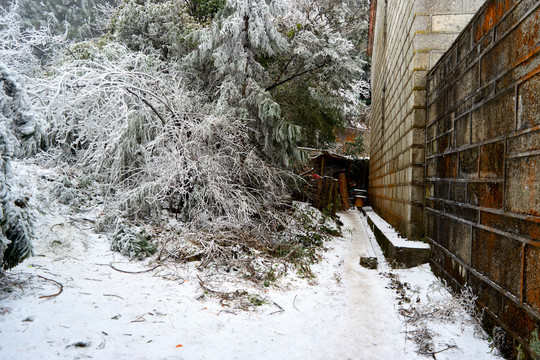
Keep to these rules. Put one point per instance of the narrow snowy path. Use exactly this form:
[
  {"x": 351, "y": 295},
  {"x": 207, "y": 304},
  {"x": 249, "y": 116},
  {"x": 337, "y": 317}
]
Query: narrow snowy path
[
  {"x": 346, "y": 312},
  {"x": 370, "y": 328}
]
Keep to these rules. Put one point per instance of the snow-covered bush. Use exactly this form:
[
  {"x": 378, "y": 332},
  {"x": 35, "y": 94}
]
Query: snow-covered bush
[
  {"x": 16, "y": 225},
  {"x": 126, "y": 117},
  {"x": 17, "y": 113},
  {"x": 21, "y": 128},
  {"x": 132, "y": 242},
  {"x": 20, "y": 134}
]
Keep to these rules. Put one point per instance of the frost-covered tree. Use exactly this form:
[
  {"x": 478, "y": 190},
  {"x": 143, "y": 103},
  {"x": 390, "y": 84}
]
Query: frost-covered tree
[
  {"x": 127, "y": 118},
  {"x": 154, "y": 25},
  {"x": 321, "y": 81},
  {"x": 18, "y": 114},
  {"x": 230, "y": 57},
  {"x": 24, "y": 50},
  {"x": 20, "y": 134},
  {"x": 76, "y": 18},
  {"x": 290, "y": 65}
]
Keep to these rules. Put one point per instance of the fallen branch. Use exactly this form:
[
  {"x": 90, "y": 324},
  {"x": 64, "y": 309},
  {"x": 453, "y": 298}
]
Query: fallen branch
[
  {"x": 134, "y": 272},
  {"x": 226, "y": 311},
  {"x": 54, "y": 281}
]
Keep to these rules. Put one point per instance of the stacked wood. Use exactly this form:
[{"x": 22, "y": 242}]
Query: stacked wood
[{"x": 327, "y": 196}]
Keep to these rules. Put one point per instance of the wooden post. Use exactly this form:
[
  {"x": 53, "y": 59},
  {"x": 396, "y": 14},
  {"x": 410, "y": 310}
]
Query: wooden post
[
  {"x": 319, "y": 192},
  {"x": 335, "y": 198},
  {"x": 343, "y": 190},
  {"x": 330, "y": 193},
  {"x": 322, "y": 196}
]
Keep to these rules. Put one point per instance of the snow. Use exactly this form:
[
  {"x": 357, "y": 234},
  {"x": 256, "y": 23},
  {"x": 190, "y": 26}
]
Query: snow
[{"x": 344, "y": 312}]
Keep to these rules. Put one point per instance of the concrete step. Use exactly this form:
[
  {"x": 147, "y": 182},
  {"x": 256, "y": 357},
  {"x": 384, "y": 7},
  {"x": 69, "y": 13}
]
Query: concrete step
[{"x": 400, "y": 252}]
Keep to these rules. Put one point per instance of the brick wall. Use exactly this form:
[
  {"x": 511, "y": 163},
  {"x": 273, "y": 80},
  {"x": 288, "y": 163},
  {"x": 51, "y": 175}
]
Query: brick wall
[
  {"x": 483, "y": 167},
  {"x": 408, "y": 38}
]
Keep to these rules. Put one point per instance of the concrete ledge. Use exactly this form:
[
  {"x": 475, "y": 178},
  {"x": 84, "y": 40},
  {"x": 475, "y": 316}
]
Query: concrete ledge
[{"x": 400, "y": 253}]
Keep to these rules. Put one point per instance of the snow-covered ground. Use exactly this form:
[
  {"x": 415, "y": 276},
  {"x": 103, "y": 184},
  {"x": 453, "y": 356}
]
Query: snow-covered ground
[{"x": 175, "y": 311}]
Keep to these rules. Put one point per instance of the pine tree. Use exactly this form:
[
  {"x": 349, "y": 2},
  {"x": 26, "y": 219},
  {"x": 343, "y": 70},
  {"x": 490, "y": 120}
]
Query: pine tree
[
  {"x": 293, "y": 66},
  {"x": 231, "y": 56},
  {"x": 321, "y": 81}
]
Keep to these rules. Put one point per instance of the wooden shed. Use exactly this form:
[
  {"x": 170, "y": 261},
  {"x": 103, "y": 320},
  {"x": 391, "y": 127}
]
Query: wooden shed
[{"x": 333, "y": 175}]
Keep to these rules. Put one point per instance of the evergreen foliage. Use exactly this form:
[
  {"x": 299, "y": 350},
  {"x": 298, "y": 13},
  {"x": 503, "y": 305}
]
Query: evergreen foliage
[
  {"x": 229, "y": 55},
  {"x": 20, "y": 134},
  {"x": 354, "y": 148},
  {"x": 18, "y": 114},
  {"x": 291, "y": 66},
  {"x": 204, "y": 10},
  {"x": 154, "y": 25},
  {"x": 75, "y": 18}
]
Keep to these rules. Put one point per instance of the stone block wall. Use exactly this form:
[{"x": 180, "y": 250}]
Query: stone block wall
[
  {"x": 407, "y": 39},
  {"x": 483, "y": 168}
]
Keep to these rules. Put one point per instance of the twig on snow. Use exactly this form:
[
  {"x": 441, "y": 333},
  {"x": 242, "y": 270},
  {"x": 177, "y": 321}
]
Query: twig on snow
[
  {"x": 134, "y": 272},
  {"x": 294, "y": 303},
  {"x": 114, "y": 296},
  {"x": 201, "y": 284},
  {"x": 280, "y": 308},
  {"x": 54, "y": 281},
  {"x": 139, "y": 319},
  {"x": 440, "y": 351}
]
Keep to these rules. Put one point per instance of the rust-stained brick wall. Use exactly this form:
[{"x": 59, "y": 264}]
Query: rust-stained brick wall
[
  {"x": 407, "y": 39},
  {"x": 482, "y": 210}
]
